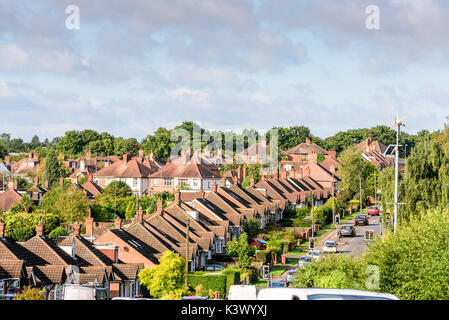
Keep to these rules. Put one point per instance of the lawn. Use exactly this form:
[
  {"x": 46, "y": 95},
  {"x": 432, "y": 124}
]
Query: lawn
[
  {"x": 298, "y": 251},
  {"x": 277, "y": 271},
  {"x": 293, "y": 261},
  {"x": 261, "y": 283}
]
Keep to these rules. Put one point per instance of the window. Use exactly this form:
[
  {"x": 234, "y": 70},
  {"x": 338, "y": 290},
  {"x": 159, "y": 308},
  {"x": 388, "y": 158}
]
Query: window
[
  {"x": 167, "y": 182},
  {"x": 195, "y": 183},
  {"x": 134, "y": 182},
  {"x": 154, "y": 182}
]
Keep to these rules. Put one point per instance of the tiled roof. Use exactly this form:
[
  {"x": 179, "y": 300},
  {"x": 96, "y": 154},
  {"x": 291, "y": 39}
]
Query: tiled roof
[
  {"x": 128, "y": 271},
  {"x": 45, "y": 248},
  {"x": 182, "y": 168},
  {"x": 120, "y": 169},
  {"x": 92, "y": 188},
  {"x": 304, "y": 148},
  {"x": 9, "y": 198},
  {"x": 12, "y": 250},
  {"x": 11, "y": 269},
  {"x": 49, "y": 274}
]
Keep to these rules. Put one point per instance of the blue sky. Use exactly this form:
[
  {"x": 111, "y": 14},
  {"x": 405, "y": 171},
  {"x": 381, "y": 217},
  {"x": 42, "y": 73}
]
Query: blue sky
[{"x": 134, "y": 66}]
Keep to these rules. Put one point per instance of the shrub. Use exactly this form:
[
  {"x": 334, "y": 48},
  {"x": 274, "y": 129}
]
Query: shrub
[
  {"x": 214, "y": 282},
  {"x": 21, "y": 234},
  {"x": 263, "y": 256},
  {"x": 30, "y": 294},
  {"x": 232, "y": 277},
  {"x": 58, "y": 232}
]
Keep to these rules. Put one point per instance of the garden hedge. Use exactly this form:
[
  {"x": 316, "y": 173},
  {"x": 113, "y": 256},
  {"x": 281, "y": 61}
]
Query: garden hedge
[{"x": 216, "y": 282}]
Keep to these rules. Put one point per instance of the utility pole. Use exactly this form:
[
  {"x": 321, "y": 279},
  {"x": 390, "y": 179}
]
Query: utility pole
[
  {"x": 360, "y": 177},
  {"x": 397, "y": 124},
  {"x": 187, "y": 252},
  {"x": 333, "y": 201},
  {"x": 375, "y": 188}
]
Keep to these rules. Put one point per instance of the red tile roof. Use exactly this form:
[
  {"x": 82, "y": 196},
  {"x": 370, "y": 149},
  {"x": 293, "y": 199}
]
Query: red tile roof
[{"x": 120, "y": 169}]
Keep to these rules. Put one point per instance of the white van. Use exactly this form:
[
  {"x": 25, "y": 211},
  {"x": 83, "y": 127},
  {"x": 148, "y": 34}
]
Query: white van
[
  {"x": 77, "y": 292},
  {"x": 262, "y": 293}
]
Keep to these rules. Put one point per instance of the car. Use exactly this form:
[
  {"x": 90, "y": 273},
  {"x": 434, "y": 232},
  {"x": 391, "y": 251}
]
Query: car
[
  {"x": 304, "y": 261},
  {"x": 259, "y": 243},
  {"x": 276, "y": 284},
  {"x": 347, "y": 230},
  {"x": 212, "y": 267},
  {"x": 329, "y": 246},
  {"x": 291, "y": 275},
  {"x": 78, "y": 292},
  {"x": 361, "y": 219},
  {"x": 249, "y": 292},
  {"x": 130, "y": 298},
  {"x": 193, "y": 298},
  {"x": 374, "y": 211},
  {"x": 315, "y": 254}
]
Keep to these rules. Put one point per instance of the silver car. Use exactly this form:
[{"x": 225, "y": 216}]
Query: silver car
[{"x": 304, "y": 261}]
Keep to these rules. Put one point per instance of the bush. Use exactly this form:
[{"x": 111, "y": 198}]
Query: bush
[
  {"x": 58, "y": 232},
  {"x": 21, "y": 234},
  {"x": 30, "y": 294},
  {"x": 263, "y": 256},
  {"x": 214, "y": 282},
  {"x": 232, "y": 277}
]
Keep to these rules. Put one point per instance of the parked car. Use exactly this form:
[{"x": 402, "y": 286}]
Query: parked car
[
  {"x": 239, "y": 292},
  {"x": 259, "y": 243},
  {"x": 193, "y": 298},
  {"x": 212, "y": 267},
  {"x": 361, "y": 219},
  {"x": 374, "y": 211},
  {"x": 329, "y": 246},
  {"x": 276, "y": 284},
  {"x": 304, "y": 261},
  {"x": 291, "y": 275},
  {"x": 347, "y": 230},
  {"x": 315, "y": 254}
]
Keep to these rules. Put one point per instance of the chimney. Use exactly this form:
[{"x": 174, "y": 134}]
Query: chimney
[
  {"x": 125, "y": 158},
  {"x": 223, "y": 181},
  {"x": 16, "y": 185},
  {"x": 10, "y": 183},
  {"x": 36, "y": 181},
  {"x": 245, "y": 172},
  {"x": 252, "y": 181},
  {"x": 140, "y": 216},
  {"x": 88, "y": 154},
  {"x": 276, "y": 174},
  {"x": 89, "y": 223},
  {"x": 7, "y": 159},
  {"x": 200, "y": 194},
  {"x": 46, "y": 184},
  {"x": 151, "y": 155},
  {"x": 313, "y": 157},
  {"x": 76, "y": 229},
  {"x": 369, "y": 140},
  {"x": 117, "y": 223},
  {"x": 36, "y": 155},
  {"x": 214, "y": 187},
  {"x": 159, "y": 206},
  {"x": 40, "y": 229},
  {"x": 239, "y": 173},
  {"x": 308, "y": 141},
  {"x": 141, "y": 152},
  {"x": 178, "y": 197},
  {"x": 235, "y": 180},
  {"x": 30, "y": 155},
  {"x": 307, "y": 172},
  {"x": 332, "y": 153},
  {"x": 2, "y": 229}
]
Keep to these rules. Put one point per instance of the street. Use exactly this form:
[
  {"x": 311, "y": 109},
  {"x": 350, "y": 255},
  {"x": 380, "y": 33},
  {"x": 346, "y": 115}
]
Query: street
[{"x": 357, "y": 245}]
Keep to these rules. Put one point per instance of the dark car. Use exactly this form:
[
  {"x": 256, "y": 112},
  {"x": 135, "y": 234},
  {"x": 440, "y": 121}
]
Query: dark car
[
  {"x": 361, "y": 219},
  {"x": 347, "y": 230},
  {"x": 374, "y": 211},
  {"x": 212, "y": 267}
]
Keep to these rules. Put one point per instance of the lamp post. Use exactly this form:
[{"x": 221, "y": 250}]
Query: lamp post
[{"x": 71, "y": 208}]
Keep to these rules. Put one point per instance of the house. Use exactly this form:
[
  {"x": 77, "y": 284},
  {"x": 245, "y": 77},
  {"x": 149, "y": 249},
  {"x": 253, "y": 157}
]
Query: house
[
  {"x": 376, "y": 153},
  {"x": 133, "y": 172},
  {"x": 303, "y": 151},
  {"x": 30, "y": 164},
  {"x": 9, "y": 198},
  {"x": 256, "y": 153},
  {"x": 185, "y": 172}
]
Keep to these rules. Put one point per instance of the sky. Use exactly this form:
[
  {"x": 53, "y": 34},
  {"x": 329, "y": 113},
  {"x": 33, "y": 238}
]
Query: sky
[{"x": 134, "y": 66}]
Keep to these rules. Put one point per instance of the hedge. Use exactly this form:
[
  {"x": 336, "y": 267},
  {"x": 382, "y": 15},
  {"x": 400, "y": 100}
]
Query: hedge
[
  {"x": 232, "y": 277},
  {"x": 216, "y": 282},
  {"x": 263, "y": 256}
]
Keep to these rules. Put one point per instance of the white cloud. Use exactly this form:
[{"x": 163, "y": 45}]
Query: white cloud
[
  {"x": 192, "y": 97},
  {"x": 259, "y": 97},
  {"x": 5, "y": 91}
]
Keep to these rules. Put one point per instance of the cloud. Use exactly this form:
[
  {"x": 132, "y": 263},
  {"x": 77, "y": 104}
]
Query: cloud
[
  {"x": 259, "y": 97},
  {"x": 5, "y": 91}
]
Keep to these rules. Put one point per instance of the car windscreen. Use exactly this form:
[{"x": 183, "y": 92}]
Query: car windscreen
[
  {"x": 346, "y": 227},
  {"x": 329, "y": 244}
]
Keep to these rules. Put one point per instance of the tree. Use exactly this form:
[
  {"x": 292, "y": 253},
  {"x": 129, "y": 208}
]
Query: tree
[
  {"x": 58, "y": 232},
  {"x": 352, "y": 165},
  {"x": 159, "y": 143},
  {"x": 3, "y": 150},
  {"x": 52, "y": 170},
  {"x": 252, "y": 227},
  {"x": 241, "y": 248},
  {"x": 167, "y": 279}
]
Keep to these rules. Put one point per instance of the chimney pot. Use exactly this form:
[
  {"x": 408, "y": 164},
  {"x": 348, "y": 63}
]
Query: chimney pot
[
  {"x": 307, "y": 141},
  {"x": 223, "y": 181},
  {"x": 117, "y": 223},
  {"x": 141, "y": 154},
  {"x": 252, "y": 181},
  {"x": 159, "y": 205},
  {"x": 177, "y": 197},
  {"x": 16, "y": 185},
  {"x": 125, "y": 158},
  {"x": 214, "y": 187},
  {"x": 76, "y": 229},
  {"x": 200, "y": 194},
  {"x": 7, "y": 159},
  {"x": 140, "y": 216},
  {"x": 40, "y": 228},
  {"x": 235, "y": 180}
]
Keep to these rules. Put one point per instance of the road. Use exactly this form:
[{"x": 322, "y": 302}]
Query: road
[{"x": 357, "y": 245}]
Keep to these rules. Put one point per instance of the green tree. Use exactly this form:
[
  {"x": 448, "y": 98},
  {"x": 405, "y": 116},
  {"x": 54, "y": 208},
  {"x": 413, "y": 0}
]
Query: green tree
[
  {"x": 252, "y": 227},
  {"x": 167, "y": 279},
  {"x": 241, "y": 248},
  {"x": 58, "y": 232},
  {"x": 352, "y": 165},
  {"x": 52, "y": 169}
]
